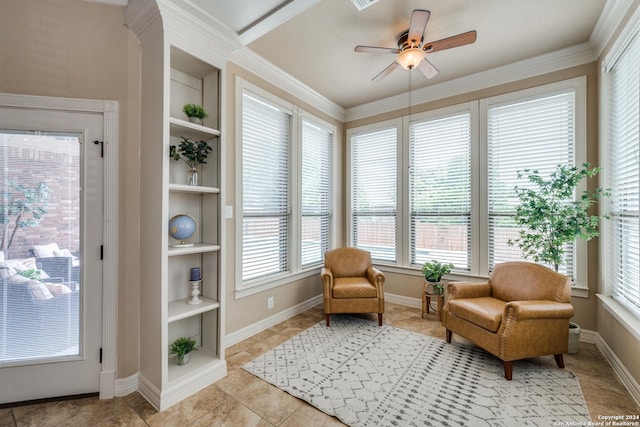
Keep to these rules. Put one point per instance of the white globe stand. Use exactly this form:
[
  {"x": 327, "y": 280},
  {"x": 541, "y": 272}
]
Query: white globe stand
[{"x": 195, "y": 292}]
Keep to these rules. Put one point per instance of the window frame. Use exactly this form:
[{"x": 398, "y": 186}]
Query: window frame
[
  {"x": 629, "y": 318},
  {"x": 479, "y": 199},
  {"x": 579, "y": 86},
  {"x": 295, "y": 272}
]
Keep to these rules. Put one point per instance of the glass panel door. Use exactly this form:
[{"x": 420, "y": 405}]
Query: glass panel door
[{"x": 40, "y": 246}]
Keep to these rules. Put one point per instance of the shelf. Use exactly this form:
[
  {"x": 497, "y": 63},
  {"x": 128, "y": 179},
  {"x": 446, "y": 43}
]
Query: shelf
[
  {"x": 179, "y": 127},
  {"x": 202, "y": 358},
  {"x": 197, "y": 248},
  {"x": 196, "y": 189},
  {"x": 179, "y": 309}
]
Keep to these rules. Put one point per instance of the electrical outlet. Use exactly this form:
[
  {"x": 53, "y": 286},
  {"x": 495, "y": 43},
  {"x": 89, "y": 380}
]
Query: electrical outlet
[{"x": 270, "y": 303}]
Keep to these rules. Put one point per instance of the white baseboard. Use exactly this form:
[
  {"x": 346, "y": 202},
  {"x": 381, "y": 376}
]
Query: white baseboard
[
  {"x": 128, "y": 385},
  {"x": 623, "y": 374},
  {"x": 402, "y": 300},
  {"x": 251, "y": 330}
]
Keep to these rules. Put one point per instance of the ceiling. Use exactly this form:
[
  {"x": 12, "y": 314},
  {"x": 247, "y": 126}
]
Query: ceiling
[{"x": 313, "y": 40}]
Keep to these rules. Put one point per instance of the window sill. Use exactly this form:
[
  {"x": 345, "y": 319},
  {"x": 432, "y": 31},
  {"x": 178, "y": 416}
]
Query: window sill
[
  {"x": 274, "y": 283},
  {"x": 576, "y": 291},
  {"x": 621, "y": 314}
]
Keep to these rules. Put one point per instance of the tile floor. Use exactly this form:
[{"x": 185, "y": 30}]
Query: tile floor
[{"x": 240, "y": 399}]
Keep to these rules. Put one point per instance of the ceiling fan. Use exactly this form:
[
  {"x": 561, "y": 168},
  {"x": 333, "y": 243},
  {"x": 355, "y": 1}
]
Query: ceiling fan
[{"x": 411, "y": 52}]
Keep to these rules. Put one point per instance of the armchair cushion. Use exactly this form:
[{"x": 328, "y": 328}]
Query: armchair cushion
[
  {"x": 353, "y": 287},
  {"x": 45, "y": 251},
  {"x": 485, "y": 312}
]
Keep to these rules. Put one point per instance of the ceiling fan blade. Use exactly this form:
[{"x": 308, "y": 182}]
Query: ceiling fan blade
[
  {"x": 427, "y": 68},
  {"x": 419, "y": 19},
  {"x": 454, "y": 41},
  {"x": 373, "y": 49},
  {"x": 384, "y": 73}
]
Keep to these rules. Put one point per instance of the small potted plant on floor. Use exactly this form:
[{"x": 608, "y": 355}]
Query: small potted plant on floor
[
  {"x": 193, "y": 153},
  {"x": 195, "y": 113},
  {"x": 433, "y": 271},
  {"x": 182, "y": 347}
]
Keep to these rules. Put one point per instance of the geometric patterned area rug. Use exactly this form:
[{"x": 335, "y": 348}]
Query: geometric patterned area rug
[{"x": 367, "y": 375}]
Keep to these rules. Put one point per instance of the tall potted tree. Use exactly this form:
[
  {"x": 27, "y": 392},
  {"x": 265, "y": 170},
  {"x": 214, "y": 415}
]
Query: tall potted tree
[{"x": 551, "y": 217}]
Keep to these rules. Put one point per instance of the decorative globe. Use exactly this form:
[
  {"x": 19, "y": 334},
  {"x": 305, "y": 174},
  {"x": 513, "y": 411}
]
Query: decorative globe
[{"x": 182, "y": 227}]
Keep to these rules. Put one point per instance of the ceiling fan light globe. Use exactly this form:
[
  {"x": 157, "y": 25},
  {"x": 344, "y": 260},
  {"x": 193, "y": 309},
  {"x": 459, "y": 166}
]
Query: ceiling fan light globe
[{"x": 410, "y": 58}]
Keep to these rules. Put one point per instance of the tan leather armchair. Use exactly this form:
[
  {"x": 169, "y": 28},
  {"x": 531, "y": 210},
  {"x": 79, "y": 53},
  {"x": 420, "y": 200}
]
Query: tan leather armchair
[
  {"x": 351, "y": 284},
  {"x": 523, "y": 311}
]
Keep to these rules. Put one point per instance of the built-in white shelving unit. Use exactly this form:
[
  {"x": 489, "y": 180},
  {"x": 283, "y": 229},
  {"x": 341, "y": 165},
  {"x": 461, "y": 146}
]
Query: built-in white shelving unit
[{"x": 176, "y": 71}]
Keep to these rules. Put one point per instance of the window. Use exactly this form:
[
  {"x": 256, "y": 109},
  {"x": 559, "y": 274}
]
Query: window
[
  {"x": 317, "y": 154},
  {"x": 536, "y": 134},
  {"x": 440, "y": 185},
  {"x": 285, "y": 170},
  {"x": 440, "y": 190},
  {"x": 622, "y": 269},
  {"x": 265, "y": 188},
  {"x": 374, "y": 163}
]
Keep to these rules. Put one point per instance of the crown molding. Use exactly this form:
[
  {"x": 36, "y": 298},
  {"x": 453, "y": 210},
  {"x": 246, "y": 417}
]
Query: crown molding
[
  {"x": 531, "y": 67},
  {"x": 114, "y": 2},
  {"x": 143, "y": 18},
  {"x": 262, "y": 68},
  {"x": 612, "y": 15},
  {"x": 206, "y": 37}
]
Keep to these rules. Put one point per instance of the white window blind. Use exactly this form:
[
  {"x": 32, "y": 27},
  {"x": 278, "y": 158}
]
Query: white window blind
[
  {"x": 374, "y": 163},
  {"x": 536, "y": 134},
  {"x": 440, "y": 190},
  {"x": 316, "y": 188},
  {"x": 623, "y": 237},
  {"x": 265, "y": 188}
]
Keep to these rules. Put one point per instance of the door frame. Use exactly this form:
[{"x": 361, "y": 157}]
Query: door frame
[{"x": 109, "y": 111}]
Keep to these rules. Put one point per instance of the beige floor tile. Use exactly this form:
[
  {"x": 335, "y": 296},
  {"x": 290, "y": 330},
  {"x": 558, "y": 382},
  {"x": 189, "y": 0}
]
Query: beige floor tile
[
  {"x": 231, "y": 413},
  {"x": 308, "y": 416},
  {"x": 187, "y": 410},
  {"x": 268, "y": 401},
  {"x": 6, "y": 418}
]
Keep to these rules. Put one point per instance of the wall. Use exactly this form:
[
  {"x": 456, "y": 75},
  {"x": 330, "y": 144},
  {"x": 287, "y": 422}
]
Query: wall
[
  {"x": 77, "y": 49},
  {"x": 244, "y": 312}
]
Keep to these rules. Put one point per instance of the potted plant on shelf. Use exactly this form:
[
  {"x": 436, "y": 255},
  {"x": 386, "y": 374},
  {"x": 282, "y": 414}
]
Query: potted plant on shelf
[
  {"x": 193, "y": 153},
  {"x": 433, "y": 271},
  {"x": 550, "y": 218},
  {"x": 182, "y": 347},
  {"x": 195, "y": 113}
]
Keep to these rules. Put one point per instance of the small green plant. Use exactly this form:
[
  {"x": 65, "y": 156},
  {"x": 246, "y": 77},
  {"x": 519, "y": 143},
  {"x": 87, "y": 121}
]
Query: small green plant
[
  {"x": 32, "y": 274},
  {"x": 194, "y": 110},
  {"x": 182, "y": 346},
  {"x": 551, "y": 217},
  {"x": 193, "y": 153},
  {"x": 433, "y": 271}
]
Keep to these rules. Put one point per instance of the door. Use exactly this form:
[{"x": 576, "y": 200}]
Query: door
[{"x": 51, "y": 186}]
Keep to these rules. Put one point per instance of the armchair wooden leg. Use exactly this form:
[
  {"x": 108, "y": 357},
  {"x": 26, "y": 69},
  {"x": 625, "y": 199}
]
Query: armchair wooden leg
[
  {"x": 448, "y": 336},
  {"x": 328, "y": 319},
  {"x": 379, "y": 319},
  {"x": 508, "y": 369},
  {"x": 559, "y": 360}
]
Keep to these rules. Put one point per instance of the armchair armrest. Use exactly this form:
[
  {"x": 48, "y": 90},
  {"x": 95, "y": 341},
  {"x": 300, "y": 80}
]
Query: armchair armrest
[
  {"x": 469, "y": 290},
  {"x": 375, "y": 276},
  {"x": 540, "y": 309},
  {"x": 326, "y": 275}
]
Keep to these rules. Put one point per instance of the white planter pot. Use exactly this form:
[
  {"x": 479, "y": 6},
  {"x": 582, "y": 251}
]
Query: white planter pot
[{"x": 574, "y": 337}]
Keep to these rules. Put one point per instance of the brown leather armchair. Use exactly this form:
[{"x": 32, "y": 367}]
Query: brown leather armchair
[
  {"x": 351, "y": 283},
  {"x": 523, "y": 311}
]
